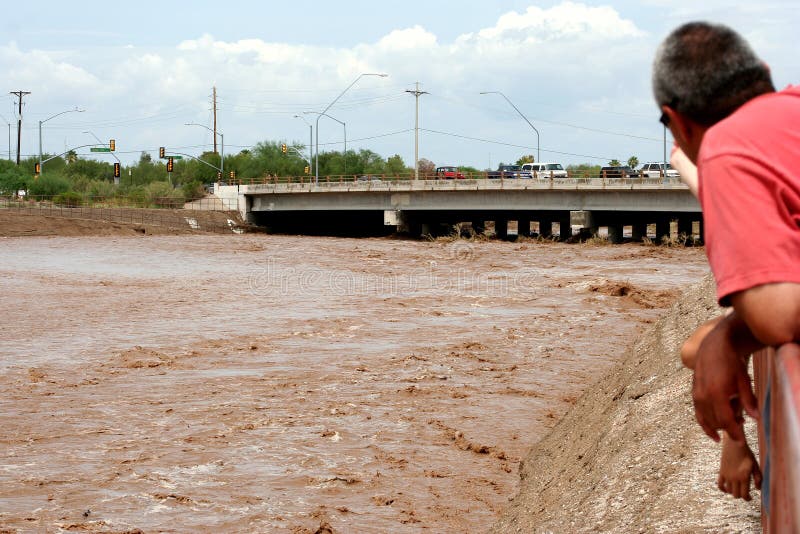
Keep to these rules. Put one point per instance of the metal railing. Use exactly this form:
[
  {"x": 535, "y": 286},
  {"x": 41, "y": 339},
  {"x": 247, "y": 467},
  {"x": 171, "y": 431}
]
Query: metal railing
[
  {"x": 777, "y": 382},
  {"x": 293, "y": 184},
  {"x": 639, "y": 178}
]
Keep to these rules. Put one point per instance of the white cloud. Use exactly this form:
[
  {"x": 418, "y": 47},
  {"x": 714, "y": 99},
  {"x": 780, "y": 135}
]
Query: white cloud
[
  {"x": 565, "y": 21},
  {"x": 410, "y": 38}
]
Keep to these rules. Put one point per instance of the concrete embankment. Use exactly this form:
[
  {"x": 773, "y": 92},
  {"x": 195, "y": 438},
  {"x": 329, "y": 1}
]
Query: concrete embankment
[{"x": 629, "y": 456}]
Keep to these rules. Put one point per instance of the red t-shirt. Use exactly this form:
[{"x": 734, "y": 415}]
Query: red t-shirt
[{"x": 749, "y": 175}]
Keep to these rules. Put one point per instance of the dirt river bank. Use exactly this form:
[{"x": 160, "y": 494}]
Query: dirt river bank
[{"x": 255, "y": 383}]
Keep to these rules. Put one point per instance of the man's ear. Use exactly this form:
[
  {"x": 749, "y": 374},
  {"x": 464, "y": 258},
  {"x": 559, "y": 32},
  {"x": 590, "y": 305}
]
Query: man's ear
[{"x": 687, "y": 133}]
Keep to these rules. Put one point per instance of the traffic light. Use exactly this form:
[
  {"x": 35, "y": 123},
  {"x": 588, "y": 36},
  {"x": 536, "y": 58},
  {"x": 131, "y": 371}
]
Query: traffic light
[
  {"x": 37, "y": 168},
  {"x": 161, "y": 152},
  {"x": 219, "y": 176},
  {"x": 307, "y": 169},
  {"x": 169, "y": 164},
  {"x": 233, "y": 175},
  {"x": 283, "y": 148},
  {"x": 112, "y": 145},
  {"x": 116, "y": 170}
]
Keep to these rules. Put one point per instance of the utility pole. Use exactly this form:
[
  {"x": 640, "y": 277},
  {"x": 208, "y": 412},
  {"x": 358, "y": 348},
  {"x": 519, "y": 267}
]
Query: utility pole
[
  {"x": 214, "y": 98},
  {"x": 416, "y": 94},
  {"x": 19, "y": 95}
]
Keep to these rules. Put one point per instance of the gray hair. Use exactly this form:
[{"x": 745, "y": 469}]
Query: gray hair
[{"x": 706, "y": 71}]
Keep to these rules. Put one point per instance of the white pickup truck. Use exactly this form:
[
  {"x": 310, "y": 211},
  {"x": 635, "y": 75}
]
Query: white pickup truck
[
  {"x": 544, "y": 170},
  {"x": 658, "y": 170}
]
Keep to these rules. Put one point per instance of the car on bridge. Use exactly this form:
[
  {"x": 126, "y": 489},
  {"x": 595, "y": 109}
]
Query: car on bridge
[
  {"x": 544, "y": 170},
  {"x": 507, "y": 171},
  {"x": 618, "y": 171},
  {"x": 448, "y": 172},
  {"x": 658, "y": 170}
]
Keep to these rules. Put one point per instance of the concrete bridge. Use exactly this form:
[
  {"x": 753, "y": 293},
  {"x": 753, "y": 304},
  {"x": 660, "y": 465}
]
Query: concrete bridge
[{"x": 421, "y": 207}]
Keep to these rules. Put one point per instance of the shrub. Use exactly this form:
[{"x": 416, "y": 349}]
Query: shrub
[
  {"x": 48, "y": 186},
  {"x": 163, "y": 195},
  {"x": 193, "y": 191},
  {"x": 101, "y": 190},
  {"x": 70, "y": 199}
]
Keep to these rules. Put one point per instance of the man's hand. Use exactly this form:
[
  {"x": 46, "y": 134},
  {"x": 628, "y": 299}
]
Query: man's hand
[
  {"x": 721, "y": 386},
  {"x": 737, "y": 465}
]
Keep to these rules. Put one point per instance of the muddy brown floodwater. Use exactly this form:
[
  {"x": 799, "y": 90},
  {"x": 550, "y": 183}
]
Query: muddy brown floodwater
[{"x": 298, "y": 384}]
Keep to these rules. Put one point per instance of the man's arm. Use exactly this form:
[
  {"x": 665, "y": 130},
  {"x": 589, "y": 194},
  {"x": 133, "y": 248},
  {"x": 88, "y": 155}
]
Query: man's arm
[
  {"x": 771, "y": 312},
  {"x": 766, "y": 315}
]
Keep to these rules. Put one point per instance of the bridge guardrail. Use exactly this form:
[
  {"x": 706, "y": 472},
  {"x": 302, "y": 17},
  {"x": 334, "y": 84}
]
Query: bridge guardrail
[
  {"x": 306, "y": 179},
  {"x": 465, "y": 184}
]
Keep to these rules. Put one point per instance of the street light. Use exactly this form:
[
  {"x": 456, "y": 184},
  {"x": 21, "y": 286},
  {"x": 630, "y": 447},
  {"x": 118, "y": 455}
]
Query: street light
[
  {"x": 345, "y": 133},
  {"x": 538, "y": 158},
  {"x": 316, "y": 149},
  {"x": 221, "y": 146},
  {"x": 41, "y": 168},
  {"x": 310, "y": 139}
]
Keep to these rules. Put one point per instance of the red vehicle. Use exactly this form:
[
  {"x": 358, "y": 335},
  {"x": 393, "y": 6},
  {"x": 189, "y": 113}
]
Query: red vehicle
[{"x": 448, "y": 172}]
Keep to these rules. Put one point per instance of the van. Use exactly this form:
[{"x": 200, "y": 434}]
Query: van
[
  {"x": 658, "y": 170},
  {"x": 544, "y": 170}
]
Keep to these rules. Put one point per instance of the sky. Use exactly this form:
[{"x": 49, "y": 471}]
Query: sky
[{"x": 578, "y": 74}]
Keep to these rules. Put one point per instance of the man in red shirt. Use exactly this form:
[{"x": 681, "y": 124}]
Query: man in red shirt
[{"x": 717, "y": 99}]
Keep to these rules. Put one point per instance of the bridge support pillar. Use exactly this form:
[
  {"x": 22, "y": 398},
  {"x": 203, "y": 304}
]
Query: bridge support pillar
[
  {"x": 524, "y": 227},
  {"x": 426, "y": 229},
  {"x": 249, "y": 217},
  {"x": 501, "y": 228},
  {"x": 685, "y": 227},
  {"x": 638, "y": 232},
  {"x": 615, "y": 233},
  {"x": 584, "y": 220},
  {"x": 662, "y": 229},
  {"x": 546, "y": 228},
  {"x": 478, "y": 227},
  {"x": 564, "y": 228}
]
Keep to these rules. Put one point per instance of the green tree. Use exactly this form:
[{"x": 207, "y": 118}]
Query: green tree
[
  {"x": 633, "y": 162},
  {"x": 614, "y": 163},
  {"x": 583, "y": 170},
  {"x": 12, "y": 178},
  {"x": 90, "y": 168},
  {"x": 526, "y": 159},
  {"x": 395, "y": 166}
]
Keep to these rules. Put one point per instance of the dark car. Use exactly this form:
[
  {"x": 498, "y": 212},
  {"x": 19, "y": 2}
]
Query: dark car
[
  {"x": 508, "y": 171},
  {"x": 619, "y": 171}
]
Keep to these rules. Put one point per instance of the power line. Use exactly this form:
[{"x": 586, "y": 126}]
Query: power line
[{"x": 513, "y": 145}]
